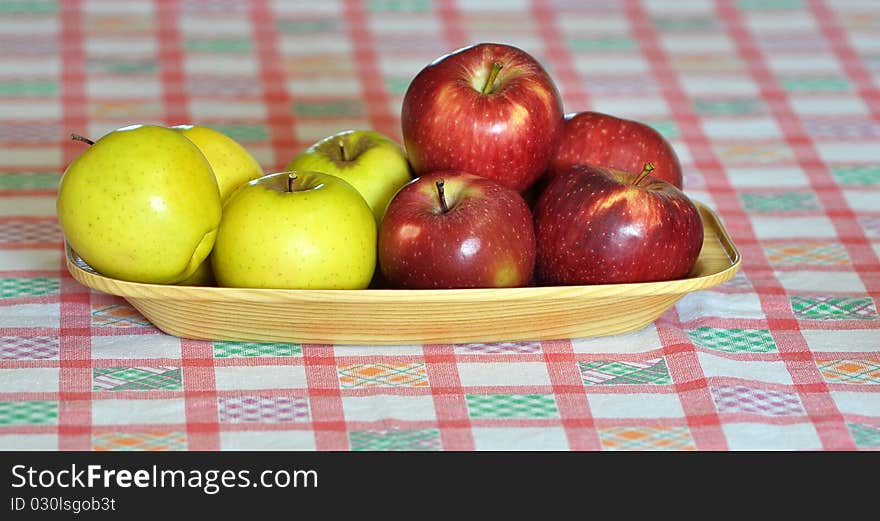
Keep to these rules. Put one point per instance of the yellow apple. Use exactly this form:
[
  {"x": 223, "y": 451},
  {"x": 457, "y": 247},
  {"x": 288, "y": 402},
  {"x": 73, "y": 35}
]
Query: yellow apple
[
  {"x": 371, "y": 162},
  {"x": 232, "y": 164},
  {"x": 140, "y": 204},
  {"x": 203, "y": 276},
  {"x": 296, "y": 230}
]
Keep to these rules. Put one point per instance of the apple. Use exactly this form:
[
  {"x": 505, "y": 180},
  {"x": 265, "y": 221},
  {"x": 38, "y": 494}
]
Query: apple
[
  {"x": 140, "y": 204},
  {"x": 489, "y": 109},
  {"x": 597, "y": 225},
  {"x": 452, "y": 229},
  {"x": 202, "y": 276},
  {"x": 371, "y": 162},
  {"x": 231, "y": 163},
  {"x": 602, "y": 139},
  {"x": 296, "y": 230}
]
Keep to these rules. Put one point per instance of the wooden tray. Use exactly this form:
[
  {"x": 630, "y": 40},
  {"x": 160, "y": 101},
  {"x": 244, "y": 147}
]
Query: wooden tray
[{"x": 391, "y": 316}]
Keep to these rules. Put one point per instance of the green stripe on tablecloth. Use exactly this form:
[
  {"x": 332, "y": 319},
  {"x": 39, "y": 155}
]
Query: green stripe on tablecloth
[
  {"x": 865, "y": 436},
  {"x": 833, "y": 308},
  {"x": 397, "y": 85},
  {"x": 405, "y": 440},
  {"x": 34, "y": 412},
  {"x": 29, "y": 180},
  {"x": 28, "y": 6},
  {"x": 862, "y": 175},
  {"x": 242, "y": 131},
  {"x": 512, "y": 406},
  {"x": 16, "y": 287},
  {"x": 815, "y": 83},
  {"x": 329, "y": 108},
  {"x": 136, "y": 379},
  {"x": 218, "y": 45},
  {"x": 728, "y": 106},
  {"x": 400, "y": 5},
  {"x": 28, "y": 88},
  {"x": 612, "y": 372},
  {"x": 734, "y": 340},
  {"x": 127, "y": 67},
  {"x": 601, "y": 44},
  {"x": 780, "y": 202},
  {"x": 229, "y": 349},
  {"x": 667, "y": 128},
  {"x": 769, "y": 5},
  {"x": 685, "y": 23},
  {"x": 319, "y": 25}
]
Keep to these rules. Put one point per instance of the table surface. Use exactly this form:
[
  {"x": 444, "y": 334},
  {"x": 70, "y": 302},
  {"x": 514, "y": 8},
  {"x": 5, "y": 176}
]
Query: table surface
[{"x": 773, "y": 108}]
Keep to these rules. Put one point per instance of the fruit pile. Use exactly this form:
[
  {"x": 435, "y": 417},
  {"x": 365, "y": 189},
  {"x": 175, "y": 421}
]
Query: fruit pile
[{"x": 495, "y": 186}]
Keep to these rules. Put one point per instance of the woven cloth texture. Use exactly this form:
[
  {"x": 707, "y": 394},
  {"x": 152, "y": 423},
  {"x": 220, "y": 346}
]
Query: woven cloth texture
[{"x": 772, "y": 106}]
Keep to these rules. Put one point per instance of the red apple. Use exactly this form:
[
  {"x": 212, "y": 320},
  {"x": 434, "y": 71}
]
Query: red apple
[
  {"x": 489, "y": 109},
  {"x": 597, "y": 225},
  {"x": 601, "y": 139},
  {"x": 451, "y": 229}
]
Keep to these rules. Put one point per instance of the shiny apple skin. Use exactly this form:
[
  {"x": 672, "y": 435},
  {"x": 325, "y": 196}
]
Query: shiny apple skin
[
  {"x": 486, "y": 239},
  {"x": 595, "y": 138},
  {"x": 594, "y": 226},
  {"x": 508, "y": 135}
]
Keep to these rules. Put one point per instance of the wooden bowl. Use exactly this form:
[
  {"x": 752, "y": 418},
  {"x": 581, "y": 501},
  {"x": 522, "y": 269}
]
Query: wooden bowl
[{"x": 396, "y": 316}]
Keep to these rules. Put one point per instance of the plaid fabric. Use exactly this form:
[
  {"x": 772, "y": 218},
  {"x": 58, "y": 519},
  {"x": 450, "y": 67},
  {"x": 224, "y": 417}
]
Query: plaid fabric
[{"x": 773, "y": 107}]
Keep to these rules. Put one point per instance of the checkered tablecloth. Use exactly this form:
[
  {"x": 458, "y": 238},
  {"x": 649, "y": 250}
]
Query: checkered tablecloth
[{"x": 773, "y": 107}]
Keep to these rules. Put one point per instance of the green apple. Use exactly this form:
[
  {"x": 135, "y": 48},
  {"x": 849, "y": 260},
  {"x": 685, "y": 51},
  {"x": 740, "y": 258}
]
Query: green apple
[
  {"x": 371, "y": 162},
  {"x": 140, "y": 204},
  {"x": 232, "y": 164},
  {"x": 296, "y": 230}
]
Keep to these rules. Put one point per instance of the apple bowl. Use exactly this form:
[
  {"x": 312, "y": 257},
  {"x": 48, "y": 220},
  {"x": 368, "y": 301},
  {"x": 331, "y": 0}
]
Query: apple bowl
[{"x": 405, "y": 316}]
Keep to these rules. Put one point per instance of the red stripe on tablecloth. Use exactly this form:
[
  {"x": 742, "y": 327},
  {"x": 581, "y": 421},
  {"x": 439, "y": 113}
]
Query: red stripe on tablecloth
[
  {"x": 807, "y": 155},
  {"x": 450, "y": 16},
  {"x": 832, "y": 429},
  {"x": 200, "y": 402},
  {"x": 278, "y": 102},
  {"x": 571, "y": 397},
  {"x": 171, "y": 69},
  {"x": 449, "y": 401},
  {"x": 200, "y": 395},
  {"x": 849, "y": 60},
  {"x": 441, "y": 360},
  {"x": 569, "y": 82},
  {"x": 682, "y": 361},
  {"x": 325, "y": 398},
  {"x": 366, "y": 60},
  {"x": 74, "y": 415}
]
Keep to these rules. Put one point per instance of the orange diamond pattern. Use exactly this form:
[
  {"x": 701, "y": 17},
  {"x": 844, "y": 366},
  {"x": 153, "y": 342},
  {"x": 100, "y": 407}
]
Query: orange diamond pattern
[
  {"x": 851, "y": 371},
  {"x": 139, "y": 441},
  {"x": 647, "y": 438},
  {"x": 382, "y": 375}
]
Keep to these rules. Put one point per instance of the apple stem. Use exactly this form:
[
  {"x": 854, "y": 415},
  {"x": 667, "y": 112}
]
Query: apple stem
[
  {"x": 290, "y": 179},
  {"x": 342, "y": 150},
  {"x": 441, "y": 194},
  {"x": 77, "y": 137},
  {"x": 647, "y": 169},
  {"x": 493, "y": 74}
]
